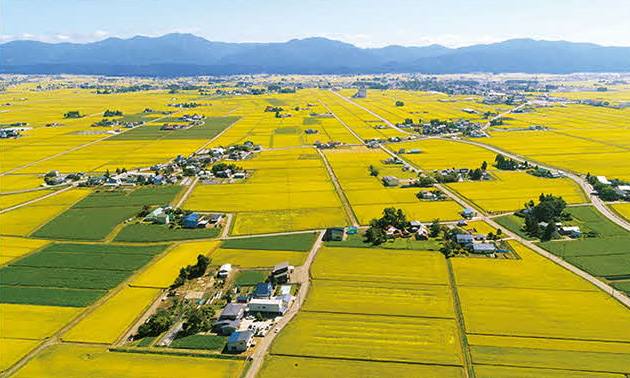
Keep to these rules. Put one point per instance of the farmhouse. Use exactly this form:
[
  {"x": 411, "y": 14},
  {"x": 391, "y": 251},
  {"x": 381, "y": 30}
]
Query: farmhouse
[
  {"x": 240, "y": 341},
  {"x": 281, "y": 272},
  {"x": 571, "y": 231},
  {"x": 603, "y": 180},
  {"x": 464, "y": 239},
  {"x": 232, "y": 311},
  {"x": 266, "y": 306},
  {"x": 390, "y": 181},
  {"x": 468, "y": 213},
  {"x": 191, "y": 220},
  {"x": 158, "y": 216}
]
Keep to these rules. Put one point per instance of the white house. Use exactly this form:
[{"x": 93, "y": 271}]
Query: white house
[{"x": 224, "y": 270}]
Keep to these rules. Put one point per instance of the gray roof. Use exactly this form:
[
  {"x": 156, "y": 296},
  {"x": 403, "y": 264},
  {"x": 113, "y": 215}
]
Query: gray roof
[
  {"x": 240, "y": 336},
  {"x": 232, "y": 310},
  {"x": 281, "y": 266},
  {"x": 484, "y": 247}
]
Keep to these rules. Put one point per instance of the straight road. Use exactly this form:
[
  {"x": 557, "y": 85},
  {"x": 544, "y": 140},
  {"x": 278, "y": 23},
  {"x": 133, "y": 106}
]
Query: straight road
[
  {"x": 300, "y": 275},
  {"x": 372, "y": 113}
]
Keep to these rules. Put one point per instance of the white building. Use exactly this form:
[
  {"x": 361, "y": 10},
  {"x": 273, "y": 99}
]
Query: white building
[
  {"x": 272, "y": 306},
  {"x": 224, "y": 270}
]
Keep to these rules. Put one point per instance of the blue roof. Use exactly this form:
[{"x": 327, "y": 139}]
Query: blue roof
[
  {"x": 191, "y": 217},
  {"x": 237, "y": 336},
  {"x": 263, "y": 289},
  {"x": 464, "y": 238}
]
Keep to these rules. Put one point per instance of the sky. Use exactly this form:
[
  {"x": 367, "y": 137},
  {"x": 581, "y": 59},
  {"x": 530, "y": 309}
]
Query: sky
[{"x": 365, "y": 23}]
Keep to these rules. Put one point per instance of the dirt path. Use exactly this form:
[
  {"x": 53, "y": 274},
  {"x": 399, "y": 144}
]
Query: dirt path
[
  {"x": 340, "y": 193},
  {"x": 372, "y": 113},
  {"x": 36, "y": 200}
]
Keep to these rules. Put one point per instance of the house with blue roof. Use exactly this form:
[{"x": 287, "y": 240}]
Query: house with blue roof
[
  {"x": 263, "y": 290},
  {"x": 191, "y": 220}
]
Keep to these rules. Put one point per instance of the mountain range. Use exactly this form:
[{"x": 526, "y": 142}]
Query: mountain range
[{"x": 187, "y": 55}]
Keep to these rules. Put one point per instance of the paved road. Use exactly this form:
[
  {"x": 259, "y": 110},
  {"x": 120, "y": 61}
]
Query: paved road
[
  {"x": 300, "y": 275},
  {"x": 586, "y": 187}
]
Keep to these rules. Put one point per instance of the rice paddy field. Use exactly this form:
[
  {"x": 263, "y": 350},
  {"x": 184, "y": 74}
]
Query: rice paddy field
[
  {"x": 75, "y": 275},
  {"x": 508, "y": 191},
  {"x": 368, "y": 196},
  {"x": 78, "y": 361},
  {"x": 289, "y": 190}
]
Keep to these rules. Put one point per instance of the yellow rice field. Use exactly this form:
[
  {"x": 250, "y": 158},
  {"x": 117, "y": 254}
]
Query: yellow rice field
[
  {"x": 33, "y": 322},
  {"x": 13, "y": 247},
  {"x": 380, "y": 265},
  {"x": 250, "y": 258},
  {"x": 300, "y": 367},
  {"x": 370, "y": 337},
  {"x": 367, "y": 298},
  {"x": 163, "y": 272},
  {"x": 25, "y": 220},
  {"x": 623, "y": 209},
  {"x": 12, "y": 350},
  {"x": 77, "y": 361},
  {"x": 107, "y": 322},
  {"x": 510, "y": 190}
]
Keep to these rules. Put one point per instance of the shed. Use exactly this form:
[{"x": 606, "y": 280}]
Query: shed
[
  {"x": 266, "y": 306},
  {"x": 191, "y": 220},
  {"x": 483, "y": 248},
  {"x": 224, "y": 270}
]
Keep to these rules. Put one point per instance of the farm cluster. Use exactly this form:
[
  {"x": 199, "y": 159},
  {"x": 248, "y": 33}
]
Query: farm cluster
[{"x": 300, "y": 226}]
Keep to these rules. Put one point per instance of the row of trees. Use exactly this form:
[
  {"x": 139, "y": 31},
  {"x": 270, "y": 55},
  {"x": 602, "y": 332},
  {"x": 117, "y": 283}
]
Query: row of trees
[{"x": 192, "y": 271}]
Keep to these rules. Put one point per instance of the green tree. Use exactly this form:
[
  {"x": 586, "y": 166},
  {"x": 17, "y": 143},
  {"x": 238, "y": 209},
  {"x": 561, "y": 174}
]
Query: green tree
[
  {"x": 434, "y": 229},
  {"x": 400, "y": 103},
  {"x": 373, "y": 170},
  {"x": 550, "y": 232}
]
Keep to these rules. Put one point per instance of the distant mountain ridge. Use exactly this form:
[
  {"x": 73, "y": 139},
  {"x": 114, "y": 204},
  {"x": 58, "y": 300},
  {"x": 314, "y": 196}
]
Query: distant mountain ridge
[{"x": 186, "y": 55}]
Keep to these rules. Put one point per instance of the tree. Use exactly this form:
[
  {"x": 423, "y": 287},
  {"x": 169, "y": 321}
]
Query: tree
[
  {"x": 373, "y": 170},
  {"x": 375, "y": 235},
  {"x": 159, "y": 322},
  {"x": 198, "y": 320},
  {"x": 400, "y": 103},
  {"x": 550, "y": 232},
  {"x": 425, "y": 181},
  {"x": 434, "y": 229},
  {"x": 531, "y": 225},
  {"x": 475, "y": 174},
  {"x": 484, "y": 165},
  {"x": 499, "y": 232}
]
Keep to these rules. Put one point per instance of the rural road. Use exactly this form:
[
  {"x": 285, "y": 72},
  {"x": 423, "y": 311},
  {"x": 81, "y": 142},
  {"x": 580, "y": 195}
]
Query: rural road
[
  {"x": 586, "y": 187},
  {"x": 371, "y": 113},
  {"x": 300, "y": 275}
]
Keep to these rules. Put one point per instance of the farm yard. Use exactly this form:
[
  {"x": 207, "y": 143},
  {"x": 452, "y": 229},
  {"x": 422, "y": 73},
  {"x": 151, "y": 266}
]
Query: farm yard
[{"x": 236, "y": 230}]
